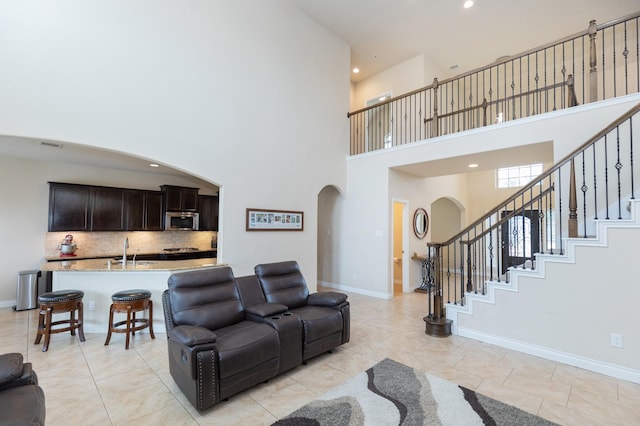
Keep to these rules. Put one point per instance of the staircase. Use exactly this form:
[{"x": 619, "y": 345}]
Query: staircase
[
  {"x": 551, "y": 270},
  {"x": 574, "y": 308}
]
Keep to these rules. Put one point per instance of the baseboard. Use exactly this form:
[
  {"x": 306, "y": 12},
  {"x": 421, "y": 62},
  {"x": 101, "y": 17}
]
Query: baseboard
[
  {"x": 612, "y": 370},
  {"x": 356, "y": 290},
  {"x": 7, "y": 303}
]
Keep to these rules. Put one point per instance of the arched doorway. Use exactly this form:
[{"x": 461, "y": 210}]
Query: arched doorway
[{"x": 329, "y": 232}]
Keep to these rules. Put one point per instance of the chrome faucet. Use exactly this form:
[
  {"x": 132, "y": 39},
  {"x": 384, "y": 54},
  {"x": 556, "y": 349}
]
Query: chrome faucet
[{"x": 125, "y": 246}]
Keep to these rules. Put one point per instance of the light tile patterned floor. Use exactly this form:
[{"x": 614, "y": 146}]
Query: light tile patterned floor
[{"x": 92, "y": 384}]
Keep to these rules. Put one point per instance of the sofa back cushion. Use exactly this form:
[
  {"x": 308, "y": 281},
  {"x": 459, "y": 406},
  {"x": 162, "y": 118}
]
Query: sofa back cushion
[
  {"x": 283, "y": 283},
  {"x": 205, "y": 297},
  {"x": 250, "y": 291}
]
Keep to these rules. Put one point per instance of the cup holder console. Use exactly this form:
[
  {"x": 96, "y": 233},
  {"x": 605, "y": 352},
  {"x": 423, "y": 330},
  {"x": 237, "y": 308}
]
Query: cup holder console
[{"x": 277, "y": 317}]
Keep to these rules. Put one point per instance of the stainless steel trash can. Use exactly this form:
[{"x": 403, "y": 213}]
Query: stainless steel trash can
[{"x": 27, "y": 290}]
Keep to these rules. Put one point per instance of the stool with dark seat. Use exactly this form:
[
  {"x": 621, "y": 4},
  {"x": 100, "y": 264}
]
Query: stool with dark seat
[
  {"x": 130, "y": 302},
  {"x": 56, "y": 302}
]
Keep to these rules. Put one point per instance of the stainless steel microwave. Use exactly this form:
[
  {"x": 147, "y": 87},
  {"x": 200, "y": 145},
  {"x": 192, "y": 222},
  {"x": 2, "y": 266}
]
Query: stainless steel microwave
[{"x": 181, "y": 221}]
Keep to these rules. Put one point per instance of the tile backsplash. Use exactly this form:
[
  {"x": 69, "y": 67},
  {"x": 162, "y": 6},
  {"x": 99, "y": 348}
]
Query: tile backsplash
[{"x": 102, "y": 244}]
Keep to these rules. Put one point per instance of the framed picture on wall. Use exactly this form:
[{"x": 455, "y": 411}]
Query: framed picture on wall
[{"x": 274, "y": 220}]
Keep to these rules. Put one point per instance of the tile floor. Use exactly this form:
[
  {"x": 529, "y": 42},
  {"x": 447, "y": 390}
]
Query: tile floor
[{"x": 90, "y": 384}]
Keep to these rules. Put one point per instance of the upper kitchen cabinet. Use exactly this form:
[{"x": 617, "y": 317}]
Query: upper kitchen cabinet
[
  {"x": 107, "y": 209},
  {"x": 143, "y": 210},
  {"x": 69, "y": 207},
  {"x": 75, "y": 207},
  {"x": 208, "y": 209},
  {"x": 180, "y": 198}
]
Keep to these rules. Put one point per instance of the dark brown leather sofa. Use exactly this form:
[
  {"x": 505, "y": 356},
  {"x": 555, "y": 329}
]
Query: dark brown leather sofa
[
  {"x": 228, "y": 334},
  {"x": 21, "y": 399}
]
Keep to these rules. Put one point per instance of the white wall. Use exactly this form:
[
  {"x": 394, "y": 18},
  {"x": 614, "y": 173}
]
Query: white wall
[
  {"x": 412, "y": 74},
  {"x": 570, "y": 314},
  {"x": 371, "y": 185},
  {"x": 255, "y": 102},
  {"x": 23, "y": 221},
  {"x": 398, "y": 80}
]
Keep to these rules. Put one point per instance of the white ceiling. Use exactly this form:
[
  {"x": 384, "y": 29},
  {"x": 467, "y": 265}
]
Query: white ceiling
[{"x": 384, "y": 33}]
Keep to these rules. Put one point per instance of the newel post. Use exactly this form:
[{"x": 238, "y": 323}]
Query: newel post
[
  {"x": 593, "y": 62},
  {"x": 435, "y": 131},
  {"x": 436, "y": 322},
  {"x": 573, "y": 203}
]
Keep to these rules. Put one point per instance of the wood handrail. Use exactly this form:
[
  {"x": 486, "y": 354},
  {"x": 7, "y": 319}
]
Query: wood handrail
[
  {"x": 547, "y": 173},
  {"x": 582, "y": 33}
]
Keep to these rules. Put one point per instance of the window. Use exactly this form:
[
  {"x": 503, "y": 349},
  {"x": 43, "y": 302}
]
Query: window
[{"x": 511, "y": 177}]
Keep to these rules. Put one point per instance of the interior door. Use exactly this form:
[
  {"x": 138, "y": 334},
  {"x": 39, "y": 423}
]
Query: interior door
[{"x": 520, "y": 238}]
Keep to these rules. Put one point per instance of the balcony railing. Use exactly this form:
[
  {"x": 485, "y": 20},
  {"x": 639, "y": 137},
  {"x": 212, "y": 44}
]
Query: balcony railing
[{"x": 601, "y": 62}]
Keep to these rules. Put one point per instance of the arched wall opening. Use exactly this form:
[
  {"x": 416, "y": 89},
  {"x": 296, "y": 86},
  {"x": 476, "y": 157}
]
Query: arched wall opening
[{"x": 330, "y": 229}]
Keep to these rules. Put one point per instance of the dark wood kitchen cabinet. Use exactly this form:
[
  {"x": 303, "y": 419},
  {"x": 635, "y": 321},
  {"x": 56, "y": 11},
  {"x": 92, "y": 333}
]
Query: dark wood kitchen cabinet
[
  {"x": 107, "y": 209},
  {"x": 69, "y": 207},
  {"x": 75, "y": 207},
  {"x": 144, "y": 210},
  {"x": 180, "y": 198},
  {"x": 208, "y": 208}
]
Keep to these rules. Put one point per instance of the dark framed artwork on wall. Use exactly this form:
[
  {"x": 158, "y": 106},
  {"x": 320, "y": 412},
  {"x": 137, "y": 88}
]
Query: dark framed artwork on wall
[{"x": 274, "y": 220}]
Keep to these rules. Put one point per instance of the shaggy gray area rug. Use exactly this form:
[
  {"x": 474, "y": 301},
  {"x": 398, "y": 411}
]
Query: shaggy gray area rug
[{"x": 390, "y": 393}]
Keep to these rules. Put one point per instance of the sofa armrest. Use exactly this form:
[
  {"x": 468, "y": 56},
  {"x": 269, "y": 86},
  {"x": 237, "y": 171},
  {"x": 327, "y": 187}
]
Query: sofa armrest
[
  {"x": 327, "y": 298},
  {"x": 191, "y": 335},
  {"x": 11, "y": 366},
  {"x": 264, "y": 310}
]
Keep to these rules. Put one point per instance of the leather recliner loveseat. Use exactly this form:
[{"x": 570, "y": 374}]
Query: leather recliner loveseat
[{"x": 227, "y": 334}]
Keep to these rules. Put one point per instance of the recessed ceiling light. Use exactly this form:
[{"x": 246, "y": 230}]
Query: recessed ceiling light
[
  {"x": 468, "y": 4},
  {"x": 154, "y": 165},
  {"x": 473, "y": 165},
  {"x": 356, "y": 70}
]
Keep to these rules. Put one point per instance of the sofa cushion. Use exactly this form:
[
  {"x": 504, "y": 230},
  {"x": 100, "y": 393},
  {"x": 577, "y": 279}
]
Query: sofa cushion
[
  {"x": 283, "y": 283},
  {"x": 245, "y": 345},
  {"x": 319, "y": 321},
  {"x": 205, "y": 297}
]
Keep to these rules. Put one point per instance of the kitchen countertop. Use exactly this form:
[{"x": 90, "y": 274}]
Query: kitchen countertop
[{"x": 101, "y": 265}]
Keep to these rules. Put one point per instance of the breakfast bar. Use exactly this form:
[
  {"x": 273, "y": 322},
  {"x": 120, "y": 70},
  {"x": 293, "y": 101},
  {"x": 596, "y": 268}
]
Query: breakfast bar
[{"x": 100, "y": 278}]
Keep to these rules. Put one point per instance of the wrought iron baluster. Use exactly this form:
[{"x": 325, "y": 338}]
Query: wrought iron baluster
[
  {"x": 595, "y": 184},
  {"x": 631, "y": 156},
  {"x": 559, "y": 218},
  {"x": 606, "y": 176},
  {"x": 618, "y": 167},
  {"x": 584, "y": 189}
]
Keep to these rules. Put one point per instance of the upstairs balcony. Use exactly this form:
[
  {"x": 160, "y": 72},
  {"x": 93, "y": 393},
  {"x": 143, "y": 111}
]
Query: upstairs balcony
[{"x": 600, "y": 62}]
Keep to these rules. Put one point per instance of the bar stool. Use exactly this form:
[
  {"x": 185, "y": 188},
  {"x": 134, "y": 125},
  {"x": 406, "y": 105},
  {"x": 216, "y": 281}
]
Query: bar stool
[
  {"x": 56, "y": 302},
  {"x": 130, "y": 302}
]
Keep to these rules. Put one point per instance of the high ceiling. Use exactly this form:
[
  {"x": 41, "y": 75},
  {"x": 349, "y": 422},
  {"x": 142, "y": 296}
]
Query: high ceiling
[{"x": 384, "y": 33}]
